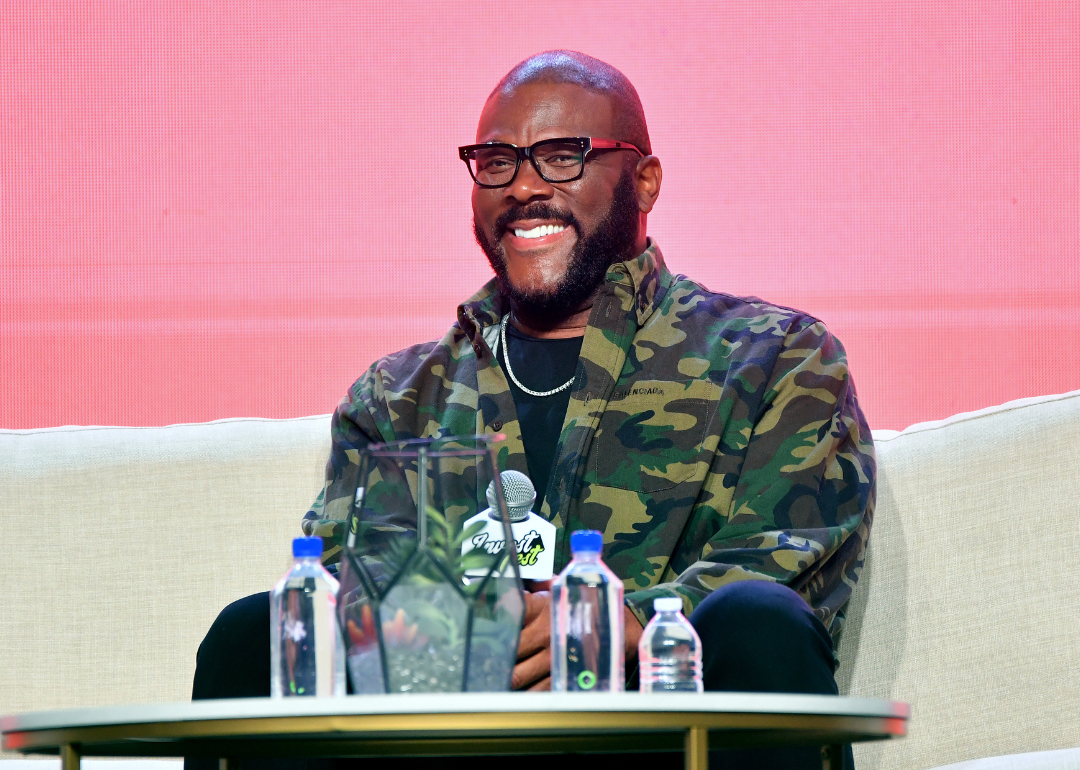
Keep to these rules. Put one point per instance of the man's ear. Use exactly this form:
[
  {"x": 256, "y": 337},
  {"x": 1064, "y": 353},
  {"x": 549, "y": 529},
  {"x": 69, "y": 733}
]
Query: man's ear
[{"x": 648, "y": 176}]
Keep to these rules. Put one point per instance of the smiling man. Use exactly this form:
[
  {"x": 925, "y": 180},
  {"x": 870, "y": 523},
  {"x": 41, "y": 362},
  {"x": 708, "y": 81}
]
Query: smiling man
[
  {"x": 715, "y": 441},
  {"x": 550, "y": 233}
]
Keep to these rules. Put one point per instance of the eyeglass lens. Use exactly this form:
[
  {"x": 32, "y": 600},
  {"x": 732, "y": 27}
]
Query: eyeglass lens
[{"x": 556, "y": 162}]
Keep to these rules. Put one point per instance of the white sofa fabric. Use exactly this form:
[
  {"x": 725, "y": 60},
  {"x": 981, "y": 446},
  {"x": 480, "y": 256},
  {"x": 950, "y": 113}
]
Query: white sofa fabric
[
  {"x": 969, "y": 606},
  {"x": 120, "y": 546},
  {"x": 1063, "y": 759}
]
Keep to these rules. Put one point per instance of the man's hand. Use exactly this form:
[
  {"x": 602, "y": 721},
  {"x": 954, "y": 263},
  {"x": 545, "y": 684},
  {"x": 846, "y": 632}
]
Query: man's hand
[
  {"x": 632, "y": 630},
  {"x": 533, "y": 669}
]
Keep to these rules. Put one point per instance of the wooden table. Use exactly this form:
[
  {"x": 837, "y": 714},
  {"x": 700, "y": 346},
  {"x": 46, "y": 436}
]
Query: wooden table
[{"x": 459, "y": 724}]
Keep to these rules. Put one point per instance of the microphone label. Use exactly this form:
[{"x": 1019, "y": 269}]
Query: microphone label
[{"x": 534, "y": 543}]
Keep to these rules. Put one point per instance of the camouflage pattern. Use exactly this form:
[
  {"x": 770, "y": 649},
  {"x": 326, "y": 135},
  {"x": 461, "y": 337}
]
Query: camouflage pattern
[{"x": 710, "y": 438}]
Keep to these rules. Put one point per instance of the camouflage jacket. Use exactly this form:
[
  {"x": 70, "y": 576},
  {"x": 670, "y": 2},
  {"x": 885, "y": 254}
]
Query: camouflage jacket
[{"x": 710, "y": 438}]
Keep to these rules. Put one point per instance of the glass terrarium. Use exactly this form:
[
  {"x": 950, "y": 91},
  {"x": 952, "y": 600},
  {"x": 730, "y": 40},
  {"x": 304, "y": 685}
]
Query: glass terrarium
[{"x": 429, "y": 600}]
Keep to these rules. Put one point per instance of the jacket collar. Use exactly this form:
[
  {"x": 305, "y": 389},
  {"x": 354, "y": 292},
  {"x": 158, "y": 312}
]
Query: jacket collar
[{"x": 645, "y": 277}]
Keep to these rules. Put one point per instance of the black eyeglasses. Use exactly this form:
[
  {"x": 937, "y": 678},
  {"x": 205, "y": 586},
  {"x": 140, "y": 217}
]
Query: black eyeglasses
[{"x": 496, "y": 164}]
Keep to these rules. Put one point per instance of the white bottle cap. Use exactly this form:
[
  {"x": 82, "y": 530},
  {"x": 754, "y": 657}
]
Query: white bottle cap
[{"x": 667, "y": 604}]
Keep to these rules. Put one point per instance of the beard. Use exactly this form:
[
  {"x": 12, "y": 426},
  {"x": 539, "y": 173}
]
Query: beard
[{"x": 612, "y": 241}]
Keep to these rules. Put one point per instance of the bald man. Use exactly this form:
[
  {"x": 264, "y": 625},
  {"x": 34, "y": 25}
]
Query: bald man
[{"x": 715, "y": 441}]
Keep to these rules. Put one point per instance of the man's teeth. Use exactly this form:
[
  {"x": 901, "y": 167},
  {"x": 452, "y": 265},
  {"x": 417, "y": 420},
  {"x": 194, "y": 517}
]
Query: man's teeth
[{"x": 539, "y": 231}]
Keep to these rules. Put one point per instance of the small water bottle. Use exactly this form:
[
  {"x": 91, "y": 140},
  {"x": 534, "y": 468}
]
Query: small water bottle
[
  {"x": 669, "y": 652},
  {"x": 307, "y": 652},
  {"x": 587, "y": 621}
]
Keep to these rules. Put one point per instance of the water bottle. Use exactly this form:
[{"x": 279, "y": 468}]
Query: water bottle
[
  {"x": 307, "y": 652},
  {"x": 587, "y": 621},
  {"x": 669, "y": 652}
]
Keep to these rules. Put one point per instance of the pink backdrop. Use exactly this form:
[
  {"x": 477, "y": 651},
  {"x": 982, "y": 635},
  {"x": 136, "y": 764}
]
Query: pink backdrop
[{"x": 196, "y": 221}]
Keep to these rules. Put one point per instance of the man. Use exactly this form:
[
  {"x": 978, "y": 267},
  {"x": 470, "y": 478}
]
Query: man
[{"x": 715, "y": 441}]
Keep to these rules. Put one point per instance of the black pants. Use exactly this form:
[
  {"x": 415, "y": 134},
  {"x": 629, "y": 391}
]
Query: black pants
[{"x": 756, "y": 636}]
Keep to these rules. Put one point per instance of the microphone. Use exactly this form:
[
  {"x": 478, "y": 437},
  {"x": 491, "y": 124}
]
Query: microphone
[
  {"x": 534, "y": 536},
  {"x": 518, "y": 492}
]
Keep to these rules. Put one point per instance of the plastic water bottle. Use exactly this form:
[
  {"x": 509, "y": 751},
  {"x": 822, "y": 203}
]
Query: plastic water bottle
[
  {"x": 669, "y": 652},
  {"x": 587, "y": 621},
  {"x": 307, "y": 652}
]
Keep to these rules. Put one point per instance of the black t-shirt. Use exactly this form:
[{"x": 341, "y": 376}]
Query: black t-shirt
[{"x": 540, "y": 364}]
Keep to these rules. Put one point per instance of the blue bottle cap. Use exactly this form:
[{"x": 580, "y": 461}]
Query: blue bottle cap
[
  {"x": 586, "y": 541},
  {"x": 306, "y": 547}
]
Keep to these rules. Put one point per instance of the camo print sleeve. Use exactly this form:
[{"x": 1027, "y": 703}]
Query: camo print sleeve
[
  {"x": 790, "y": 494},
  {"x": 358, "y": 421}
]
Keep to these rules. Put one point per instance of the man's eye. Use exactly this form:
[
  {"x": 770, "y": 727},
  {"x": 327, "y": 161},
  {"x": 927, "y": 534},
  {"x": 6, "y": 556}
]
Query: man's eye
[
  {"x": 560, "y": 159},
  {"x": 497, "y": 163}
]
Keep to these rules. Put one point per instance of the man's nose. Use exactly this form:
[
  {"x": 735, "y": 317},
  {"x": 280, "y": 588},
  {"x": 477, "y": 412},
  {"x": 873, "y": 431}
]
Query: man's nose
[{"x": 529, "y": 185}]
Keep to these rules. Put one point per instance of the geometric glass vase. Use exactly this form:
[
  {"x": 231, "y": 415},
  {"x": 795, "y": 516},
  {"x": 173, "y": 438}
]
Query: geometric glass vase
[{"x": 428, "y": 602}]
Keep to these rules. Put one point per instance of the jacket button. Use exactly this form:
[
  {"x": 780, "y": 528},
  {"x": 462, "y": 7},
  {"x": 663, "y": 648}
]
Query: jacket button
[{"x": 497, "y": 425}]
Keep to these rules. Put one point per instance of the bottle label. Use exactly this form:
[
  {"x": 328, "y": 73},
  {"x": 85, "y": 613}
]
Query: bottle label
[
  {"x": 534, "y": 542},
  {"x": 588, "y": 644},
  {"x": 299, "y": 623}
]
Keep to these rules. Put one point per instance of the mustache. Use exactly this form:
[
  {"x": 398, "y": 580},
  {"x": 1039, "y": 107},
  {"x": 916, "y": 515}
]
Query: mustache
[{"x": 538, "y": 210}]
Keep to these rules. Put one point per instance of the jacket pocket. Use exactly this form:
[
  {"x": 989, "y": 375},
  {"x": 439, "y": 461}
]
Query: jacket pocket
[{"x": 651, "y": 435}]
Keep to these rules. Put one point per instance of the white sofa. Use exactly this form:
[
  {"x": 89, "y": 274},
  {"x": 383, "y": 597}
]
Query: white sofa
[{"x": 120, "y": 545}]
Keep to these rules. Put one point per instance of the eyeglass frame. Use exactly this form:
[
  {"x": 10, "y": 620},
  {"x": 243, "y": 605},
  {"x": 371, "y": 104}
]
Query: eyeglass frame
[{"x": 588, "y": 144}]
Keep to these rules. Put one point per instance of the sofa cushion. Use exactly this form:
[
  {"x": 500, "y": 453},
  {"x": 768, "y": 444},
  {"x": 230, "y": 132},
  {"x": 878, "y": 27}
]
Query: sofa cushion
[
  {"x": 1064, "y": 759},
  {"x": 121, "y": 545},
  {"x": 969, "y": 605}
]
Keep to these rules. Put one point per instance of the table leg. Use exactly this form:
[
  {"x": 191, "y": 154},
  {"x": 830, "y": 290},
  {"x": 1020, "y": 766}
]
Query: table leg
[
  {"x": 70, "y": 758},
  {"x": 696, "y": 750},
  {"x": 833, "y": 758}
]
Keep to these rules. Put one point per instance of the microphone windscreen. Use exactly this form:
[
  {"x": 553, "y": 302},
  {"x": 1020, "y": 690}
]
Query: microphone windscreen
[{"x": 518, "y": 492}]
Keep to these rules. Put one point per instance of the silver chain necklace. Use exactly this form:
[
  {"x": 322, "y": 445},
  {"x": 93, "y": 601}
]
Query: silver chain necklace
[{"x": 506, "y": 356}]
